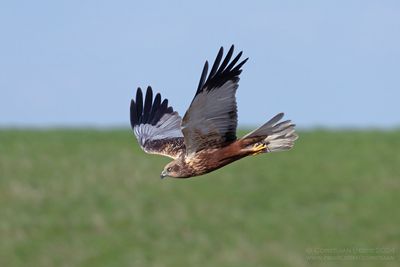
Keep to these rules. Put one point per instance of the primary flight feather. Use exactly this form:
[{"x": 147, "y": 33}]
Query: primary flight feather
[{"x": 205, "y": 139}]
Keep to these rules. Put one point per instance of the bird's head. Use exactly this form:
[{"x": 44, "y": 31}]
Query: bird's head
[{"x": 175, "y": 169}]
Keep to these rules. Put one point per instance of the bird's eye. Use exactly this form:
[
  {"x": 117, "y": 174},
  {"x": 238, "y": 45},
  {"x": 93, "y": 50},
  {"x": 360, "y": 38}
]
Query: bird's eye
[{"x": 169, "y": 169}]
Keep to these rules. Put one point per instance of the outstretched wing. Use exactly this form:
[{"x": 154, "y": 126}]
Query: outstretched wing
[
  {"x": 211, "y": 120},
  {"x": 156, "y": 126}
]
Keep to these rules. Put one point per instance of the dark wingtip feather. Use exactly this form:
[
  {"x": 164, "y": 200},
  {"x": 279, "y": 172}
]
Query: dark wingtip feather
[
  {"x": 147, "y": 104},
  {"x": 202, "y": 78},
  {"x": 139, "y": 104},
  {"x": 150, "y": 111},
  {"x": 238, "y": 66},
  {"x": 216, "y": 62},
  {"x": 133, "y": 115},
  {"x": 227, "y": 58},
  {"x": 156, "y": 105},
  {"x": 220, "y": 74},
  {"x": 233, "y": 62},
  {"x": 161, "y": 111}
]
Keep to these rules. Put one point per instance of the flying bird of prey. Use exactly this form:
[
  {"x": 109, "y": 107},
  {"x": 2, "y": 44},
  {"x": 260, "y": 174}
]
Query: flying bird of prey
[{"x": 205, "y": 139}]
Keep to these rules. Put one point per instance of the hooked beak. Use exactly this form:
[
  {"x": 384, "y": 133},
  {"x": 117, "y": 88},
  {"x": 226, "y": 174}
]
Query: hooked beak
[{"x": 163, "y": 174}]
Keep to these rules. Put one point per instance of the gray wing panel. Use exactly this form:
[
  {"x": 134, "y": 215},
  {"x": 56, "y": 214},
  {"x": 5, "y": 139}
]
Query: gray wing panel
[{"x": 211, "y": 120}]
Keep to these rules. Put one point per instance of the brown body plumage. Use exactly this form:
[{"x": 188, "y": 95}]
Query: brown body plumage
[
  {"x": 208, "y": 160},
  {"x": 205, "y": 139}
]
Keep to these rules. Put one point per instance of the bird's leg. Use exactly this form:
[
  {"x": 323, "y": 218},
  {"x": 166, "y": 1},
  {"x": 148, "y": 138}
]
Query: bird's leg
[{"x": 259, "y": 148}]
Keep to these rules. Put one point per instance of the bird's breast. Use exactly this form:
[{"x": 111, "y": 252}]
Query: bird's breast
[{"x": 208, "y": 160}]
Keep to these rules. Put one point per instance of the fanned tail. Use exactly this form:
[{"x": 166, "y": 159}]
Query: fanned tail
[{"x": 271, "y": 137}]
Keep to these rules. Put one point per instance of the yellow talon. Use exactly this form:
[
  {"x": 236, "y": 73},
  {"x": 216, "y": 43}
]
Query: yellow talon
[{"x": 259, "y": 148}]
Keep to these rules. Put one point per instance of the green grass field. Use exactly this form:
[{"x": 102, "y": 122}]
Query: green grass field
[{"x": 92, "y": 198}]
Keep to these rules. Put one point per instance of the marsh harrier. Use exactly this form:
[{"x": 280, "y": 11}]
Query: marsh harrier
[{"x": 205, "y": 139}]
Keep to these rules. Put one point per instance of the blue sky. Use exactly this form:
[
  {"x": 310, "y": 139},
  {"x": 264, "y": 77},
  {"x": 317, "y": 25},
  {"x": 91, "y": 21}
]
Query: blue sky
[{"x": 78, "y": 63}]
